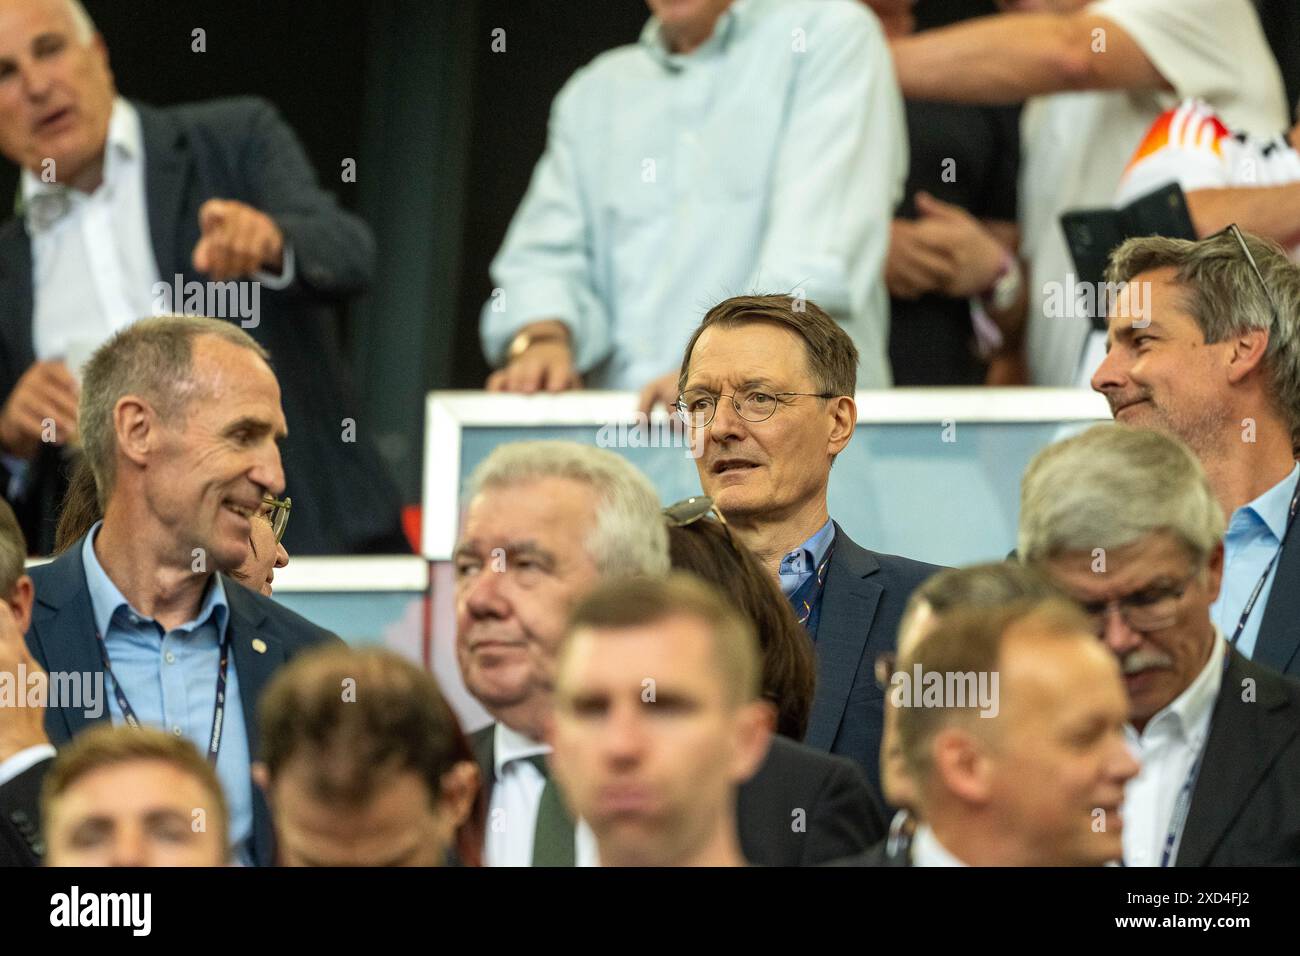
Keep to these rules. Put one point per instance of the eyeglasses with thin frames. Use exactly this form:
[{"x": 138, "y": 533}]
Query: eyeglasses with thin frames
[
  {"x": 697, "y": 406},
  {"x": 1254, "y": 267},
  {"x": 277, "y": 514},
  {"x": 690, "y": 510}
]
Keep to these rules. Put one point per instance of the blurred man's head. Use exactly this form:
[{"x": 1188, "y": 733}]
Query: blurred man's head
[
  {"x": 1123, "y": 521},
  {"x": 657, "y": 720},
  {"x": 121, "y": 796},
  {"x": 265, "y": 551},
  {"x": 1216, "y": 351},
  {"x": 545, "y": 522},
  {"x": 792, "y": 371},
  {"x": 56, "y": 89},
  {"x": 981, "y": 586},
  {"x": 363, "y": 764},
  {"x": 15, "y": 586},
  {"x": 180, "y": 419},
  {"x": 1038, "y": 778}
]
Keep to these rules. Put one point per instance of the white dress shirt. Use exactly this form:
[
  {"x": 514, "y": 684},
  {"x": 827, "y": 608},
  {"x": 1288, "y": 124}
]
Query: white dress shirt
[
  {"x": 928, "y": 851},
  {"x": 93, "y": 268},
  {"x": 1167, "y": 747},
  {"x": 512, "y": 811}
]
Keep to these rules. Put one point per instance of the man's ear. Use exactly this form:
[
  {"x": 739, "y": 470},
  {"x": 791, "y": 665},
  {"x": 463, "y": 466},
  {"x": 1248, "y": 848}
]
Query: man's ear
[
  {"x": 136, "y": 426},
  {"x": 960, "y": 762},
  {"x": 844, "y": 418},
  {"x": 262, "y": 777},
  {"x": 460, "y": 785},
  {"x": 20, "y": 602},
  {"x": 1247, "y": 354}
]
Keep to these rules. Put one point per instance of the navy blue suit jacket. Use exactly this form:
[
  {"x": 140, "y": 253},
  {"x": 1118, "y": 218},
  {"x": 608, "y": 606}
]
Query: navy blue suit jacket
[
  {"x": 1278, "y": 643},
  {"x": 62, "y": 638},
  {"x": 862, "y": 604},
  {"x": 242, "y": 149}
]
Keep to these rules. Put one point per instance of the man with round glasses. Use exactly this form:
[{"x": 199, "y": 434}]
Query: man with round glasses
[
  {"x": 766, "y": 390},
  {"x": 1125, "y": 522}
]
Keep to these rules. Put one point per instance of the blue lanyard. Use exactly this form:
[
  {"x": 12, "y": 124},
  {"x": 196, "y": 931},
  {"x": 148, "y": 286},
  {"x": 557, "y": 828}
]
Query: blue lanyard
[
  {"x": 818, "y": 582},
  {"x": 1259, "y": 585},
  {"x": 218, "y": 710}
]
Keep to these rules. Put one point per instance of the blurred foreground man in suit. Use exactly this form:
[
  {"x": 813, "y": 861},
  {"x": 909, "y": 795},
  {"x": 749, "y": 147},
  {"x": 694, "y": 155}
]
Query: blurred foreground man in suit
[
  {"x": 1011, "y": 726},
  {"x": 546, "y": 523},
  {"x": 1124, "y": 521},
  {"x": 653, "y": 764},
  {"x": 127, "y": 211}
]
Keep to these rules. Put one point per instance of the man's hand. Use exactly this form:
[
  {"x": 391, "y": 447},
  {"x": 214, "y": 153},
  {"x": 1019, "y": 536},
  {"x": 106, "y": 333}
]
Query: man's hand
[
  {"x": 47, "y": 390},
  {"x": 917, "y": 263},
  {"x": 973, "y": 255},
  {"x": 20, "y": 727},
  {"x": 662, "y": 389},
  {"x": 544, "y": 365},
  {"x": 237, "y": 240}
]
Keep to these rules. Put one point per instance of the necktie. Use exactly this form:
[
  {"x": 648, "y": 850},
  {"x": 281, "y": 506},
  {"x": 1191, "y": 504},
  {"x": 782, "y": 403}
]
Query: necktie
[{"x": 553, "y": 835}]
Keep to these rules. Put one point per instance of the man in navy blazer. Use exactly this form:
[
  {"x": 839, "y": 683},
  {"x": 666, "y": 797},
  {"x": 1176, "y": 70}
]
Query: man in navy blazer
[
  {"x": 767, "y": 390},
  {"x": 208, "y": 208},
  {"x": 180, "y": 419}
]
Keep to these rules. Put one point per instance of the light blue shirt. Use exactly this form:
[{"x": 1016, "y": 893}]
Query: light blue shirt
[
  {"x": 770, "y": 159},
  {"x": 1254, "y": 535},
  {"x": 170, "y": 680},
  {"x": 800, "y": 564}
]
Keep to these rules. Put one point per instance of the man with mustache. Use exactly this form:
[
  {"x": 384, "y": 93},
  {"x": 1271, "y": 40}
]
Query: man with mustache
[
  {"x": 766, "y": 388},
  {"x": 1202, "y": 344},
  {"x": 1124, "y": 521},
  {"x": 548, "y": 522}
]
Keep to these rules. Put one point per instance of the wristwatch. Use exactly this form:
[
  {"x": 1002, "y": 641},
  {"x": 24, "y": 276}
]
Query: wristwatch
[
  {"x": 525, "y": 340},
  {"x": 1005, "y": 290}
]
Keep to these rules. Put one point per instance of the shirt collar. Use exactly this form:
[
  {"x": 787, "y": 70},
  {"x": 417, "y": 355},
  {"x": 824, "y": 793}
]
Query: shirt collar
[
  {"x": 928, "y": 851},
  {"x": 811, "y": 552},
  {"x": 106, "y": 599},
  {"x": 724, "y": 32},
  {"x": 124, "y": 145},
  {"x": 1273, "y": 506},
  {"x": 1190, "y": 711},
  {"x": 509, "y": 745}
]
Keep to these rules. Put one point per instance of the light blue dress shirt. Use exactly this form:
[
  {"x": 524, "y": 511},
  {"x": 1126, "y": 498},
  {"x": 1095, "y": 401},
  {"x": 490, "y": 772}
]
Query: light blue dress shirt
[
  {"x": 170, "y": 681},
  {"x": 1254, "y": 535},
  {"x": 801, "y": 563},
  {"x": 770, "y": 159}
]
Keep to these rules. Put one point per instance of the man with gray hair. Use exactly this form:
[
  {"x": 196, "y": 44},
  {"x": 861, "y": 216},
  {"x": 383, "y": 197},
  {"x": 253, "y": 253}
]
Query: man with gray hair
[
  {"x": 180, "y": 419},
  {"x": 1204, "y": 344},
  {"x": 546, "y": 523},
  {"x": 1125, "y": 521},
  {"x": 127, "y": 210}
]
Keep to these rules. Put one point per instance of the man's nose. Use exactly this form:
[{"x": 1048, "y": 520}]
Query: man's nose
[
  {"x": 281, "y": 555},
  {"x": 481, "y": 595},
  {"x": 1124, "y": 764},
  {"x": 1112, "y": 373},
  {"x": 37, "y": 80},
  {"x": 268, "y": 472},
  {"x": 727, "y": 423},
  {"x": 625, "y": 732},
  {"x": 129, "y": 847},
  {"x": 1119, "y": 636}
]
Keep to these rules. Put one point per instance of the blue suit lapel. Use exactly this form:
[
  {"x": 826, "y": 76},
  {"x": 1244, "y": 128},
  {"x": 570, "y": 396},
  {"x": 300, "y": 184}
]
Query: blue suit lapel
[
  {"x": 256, "y": 655},
  {"x": 848, "y": 610},
  {"x": 62, "y": 637},
  {"x": 1278, "y": 643}
]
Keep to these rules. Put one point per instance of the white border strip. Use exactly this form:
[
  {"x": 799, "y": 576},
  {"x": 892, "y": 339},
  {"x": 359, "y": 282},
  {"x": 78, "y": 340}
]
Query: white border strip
[{"x": 446, "y": 413}]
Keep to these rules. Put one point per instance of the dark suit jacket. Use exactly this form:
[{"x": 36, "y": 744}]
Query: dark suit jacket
[
  {"x": 343, "y": 498},
  {"x": 842, "y": 815},
  {"x": 1278, "y": 643},
  {"x": 862, "y": 604},
  {"x": 1246, "y": 806},
  {"x": 878, "y": 855},
  {"x": 20, "y": 826},
  {"x": 62, "y": 638}
]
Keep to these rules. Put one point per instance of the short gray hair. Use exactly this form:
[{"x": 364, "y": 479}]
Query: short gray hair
[
  {"x": 152, "y": 358},
  {"x": 13, "y": 550},
  {"x": 1225, "y": 298},
  {"x": 630, "y": 537},
  {"x": 1112, "y": 486}
]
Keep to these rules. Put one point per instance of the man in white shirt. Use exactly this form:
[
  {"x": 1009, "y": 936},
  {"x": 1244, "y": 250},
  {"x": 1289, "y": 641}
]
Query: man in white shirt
[
  {"x": 1215, "y": 361},
  {"x": 654, "y": 763},
  {"x": 1010, "y": 722},
  {"x": 1124, "y": 520},
  {"x": 739, "y": 146},
  {"x": 1095, "y": 75}
]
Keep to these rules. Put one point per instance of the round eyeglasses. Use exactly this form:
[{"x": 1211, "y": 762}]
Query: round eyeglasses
[
  {"x": 697, "y": 406},
  {"x": 275, "y": 511}
]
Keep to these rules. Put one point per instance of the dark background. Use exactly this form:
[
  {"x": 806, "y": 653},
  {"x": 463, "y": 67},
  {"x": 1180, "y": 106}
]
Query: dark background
[{"x": 445, "y": 133}]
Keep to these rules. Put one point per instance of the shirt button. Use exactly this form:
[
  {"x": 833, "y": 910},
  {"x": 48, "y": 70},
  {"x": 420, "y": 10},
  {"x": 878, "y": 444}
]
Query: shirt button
[
  {"x": 176, "y": 730},
  {"x": 170, "y": 658}
]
